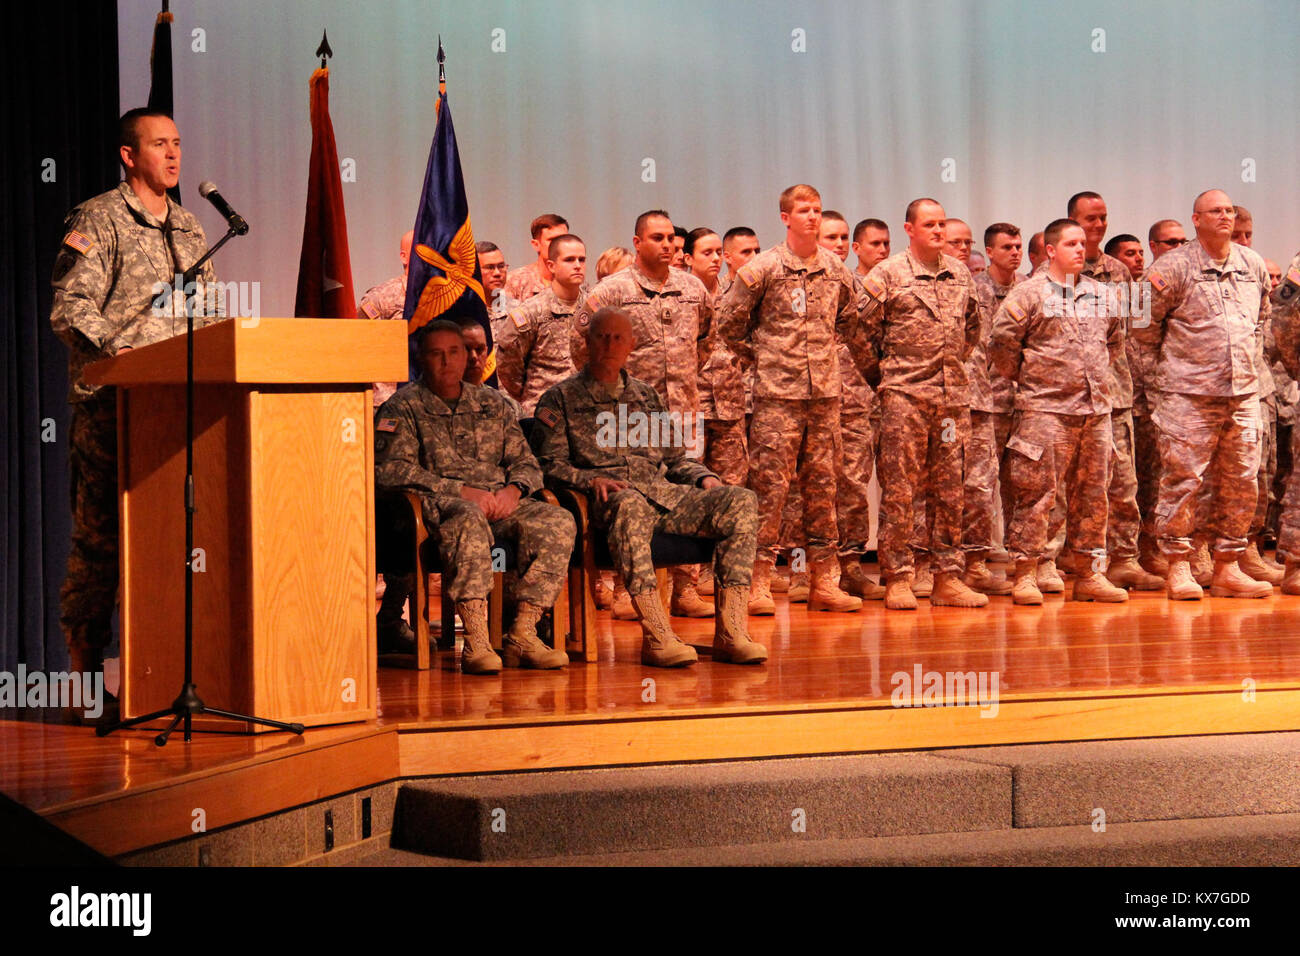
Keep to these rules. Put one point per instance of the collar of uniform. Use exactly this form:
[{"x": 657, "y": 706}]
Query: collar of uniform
[
  {"x": 999, "y": 289},
  {"x": 795, "y": 264},
  {"x": 137, "y": 207},
  {"x": 671, "y": 285},
  {"x": 920, "y": 268},
  {"x": 1083, "y": 285},
  {"x": 471, "y": 399},
  {"x": 558, "y": 306},
  {"x": 597, "y": 389},
  {"x": 1236, "y": 262}
]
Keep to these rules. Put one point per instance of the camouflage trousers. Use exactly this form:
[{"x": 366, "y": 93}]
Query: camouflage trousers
[
  {"x": 1052, "y": 457},
  {"x": 854, "y": 466},
  {"x": 727, "y": 514},
  {"x": 921, "y": 466},
  {"x": 1207, "y": 439},
  {"x": 726, "y": 450},
  {"x": 789, "y": 437},
  {"x": 542, "y": 534},
  {"x": 1123, "y": 520},
  {"x": 1288, "y": 535},
  {"x": 89, "y": 590},
  {"x": 1281, "y": 477},
  {"x": 1146, "y": 468},
  {"x": 989, "y": 432},
  {"x": 1267, "y": 465}
]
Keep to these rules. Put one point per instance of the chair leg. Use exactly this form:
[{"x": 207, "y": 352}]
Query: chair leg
[
  {"x": 419, "y": 606},
  {"x": 560, "y": 620},
  {"x": 447, "y": 639}
]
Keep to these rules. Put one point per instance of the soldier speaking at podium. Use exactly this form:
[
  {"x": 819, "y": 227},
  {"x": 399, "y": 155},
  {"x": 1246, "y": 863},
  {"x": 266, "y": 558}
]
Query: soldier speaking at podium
[{"x": 120, "y": 249}]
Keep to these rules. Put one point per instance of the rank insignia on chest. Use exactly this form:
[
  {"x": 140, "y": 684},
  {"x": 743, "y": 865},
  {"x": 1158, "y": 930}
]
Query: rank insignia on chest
[
  {"x": 386, "y": 425},
  {"x": 548, "y": 417},
  {"x": 78, "y": 243}
]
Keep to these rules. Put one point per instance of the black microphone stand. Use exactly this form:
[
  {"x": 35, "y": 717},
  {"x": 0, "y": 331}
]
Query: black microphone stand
[{"x": 187, "y": 704}]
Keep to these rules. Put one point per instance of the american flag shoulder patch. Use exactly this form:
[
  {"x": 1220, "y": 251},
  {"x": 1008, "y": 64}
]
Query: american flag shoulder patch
[
  {"x": 748, "y": 274},
  {"x": 520, "y": 320},
  {"x": 78, "y": 243},
  {"x": 367, "y": 309},
  {"x": 875, "y": 288},
  {"x": 1017, "y": 313},
  {"x": 386, "y": 425},
  {"x": 548, "y": 417},
  {"x": 1158, "y": 282}
]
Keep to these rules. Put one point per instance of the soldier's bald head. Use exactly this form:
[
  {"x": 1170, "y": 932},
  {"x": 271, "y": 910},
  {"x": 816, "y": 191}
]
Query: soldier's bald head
[
  {"x": 609, "y": 318},
  {"x": 1210, "y": 198}
]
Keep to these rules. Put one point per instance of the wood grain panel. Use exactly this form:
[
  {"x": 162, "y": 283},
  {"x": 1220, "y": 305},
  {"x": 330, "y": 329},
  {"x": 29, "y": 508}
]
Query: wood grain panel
[{"x": 313, "y": 554}]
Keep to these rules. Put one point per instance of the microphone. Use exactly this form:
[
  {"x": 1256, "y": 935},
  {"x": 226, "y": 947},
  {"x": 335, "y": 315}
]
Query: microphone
[{"x": 208, "y": 190}]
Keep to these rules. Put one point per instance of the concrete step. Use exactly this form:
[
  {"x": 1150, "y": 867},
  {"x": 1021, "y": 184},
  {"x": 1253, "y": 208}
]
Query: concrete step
[
  {"x": 522, "y": 816},
  {"x": 1261, "y": 840},
  {"x": 1166, "y": 778}
]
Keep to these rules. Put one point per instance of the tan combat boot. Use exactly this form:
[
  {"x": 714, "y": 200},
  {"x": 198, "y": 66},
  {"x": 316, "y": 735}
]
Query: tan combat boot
[
  {"x": 1181, "y": 585},
  {"x": 1202, "y": 564},
  {"x": 1049, "y": 579},
  {"x": 1232, "y": 582},
  {"x": 477, "y": 656},
  {"x": 950, "y": 591},
  {"x": 923, "y": 579},
  {"x": 523, "y": 648},
  {"x": 899, "y": 595},
  {"x": 799, "y": 588},
  {"x": 602, "y": 591},
  {"x": 623, "y": 609},
  {"x": 979, "y": 578},
  {"x": 760, "y": 591},
  {"x": 1291, "y": 580},
  {"x": 1150, "y": 558},
  {"x": 686, "y": 601},
  {"x": 853, "y": 580},
  {"x": 780, "y": 582},
  {"x": 705, "y": 586},
  {"x": 1026, "y": 590},
  {"x": 660, "y": 647},
  {"x": 1128, "y": 573},
  {"x": 825, "y": 593},
  {"x": 1254, "y": 565},
  {"x": 1095, "y": 587},
  {"x": 731, "y": 643}
]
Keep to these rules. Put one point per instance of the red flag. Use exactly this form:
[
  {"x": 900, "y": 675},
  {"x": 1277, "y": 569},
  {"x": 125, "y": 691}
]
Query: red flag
[{"x": 324, "y": 269}]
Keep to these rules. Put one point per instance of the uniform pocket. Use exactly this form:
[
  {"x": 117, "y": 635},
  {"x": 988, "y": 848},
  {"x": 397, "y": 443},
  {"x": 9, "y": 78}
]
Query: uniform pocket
[{"x": 1027, "y": 448}]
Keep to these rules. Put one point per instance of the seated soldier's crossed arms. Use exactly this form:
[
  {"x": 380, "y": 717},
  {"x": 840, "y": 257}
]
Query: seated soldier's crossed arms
[
  {"x": 639, "y": 487},
  {"x": 460, "y": 446}
]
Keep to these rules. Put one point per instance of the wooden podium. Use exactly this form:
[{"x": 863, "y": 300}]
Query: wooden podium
[{"x": 284, "y": 535}]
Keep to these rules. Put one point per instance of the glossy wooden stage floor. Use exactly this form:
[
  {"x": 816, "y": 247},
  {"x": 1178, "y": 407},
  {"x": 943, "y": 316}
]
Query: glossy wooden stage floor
[{"x": 834, "y": 683}]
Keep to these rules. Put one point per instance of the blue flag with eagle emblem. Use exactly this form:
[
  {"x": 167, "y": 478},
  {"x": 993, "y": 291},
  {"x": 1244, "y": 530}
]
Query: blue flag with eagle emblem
[{"x": 443, "y": 278}]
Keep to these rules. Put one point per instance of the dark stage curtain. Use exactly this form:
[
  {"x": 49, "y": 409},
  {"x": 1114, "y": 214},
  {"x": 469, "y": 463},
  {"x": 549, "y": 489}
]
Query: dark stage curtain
[{"x": 58, "y": 111}]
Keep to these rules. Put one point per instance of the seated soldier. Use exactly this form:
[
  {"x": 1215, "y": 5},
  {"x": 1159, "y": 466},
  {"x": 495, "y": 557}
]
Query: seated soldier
[
  {"x": 640, "y": 483},
  {"x": 460, "y": 446}
]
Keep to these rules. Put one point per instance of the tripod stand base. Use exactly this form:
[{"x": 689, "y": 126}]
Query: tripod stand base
[{"x": 185, "y": 707}]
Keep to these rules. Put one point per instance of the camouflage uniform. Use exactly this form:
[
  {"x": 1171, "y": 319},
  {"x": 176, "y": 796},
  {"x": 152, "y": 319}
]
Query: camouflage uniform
[
  {"x": 923, "y": 322},
  {"x": 114, "y": 254},
  {"x": 1285, "y": 302},
  {"x": 669, "y": 322},
  {"x": 533, "y": 348},
  {"x": 1146, "y": 451},
  {"x": 1203, "y": 340},
  {"x": 855, "y": 461},
  {"x": 791, "y": 314},
  {"x": 576, "y": 444},
  {"x": 722, "y": 406},
  {"x": 1059, "y": 345},
  {"x": 384, "y": 301},
  {"x": 522, "y": 284},
  {"x": 992, "y": 404},
  {"x": 425, "y": 444}
]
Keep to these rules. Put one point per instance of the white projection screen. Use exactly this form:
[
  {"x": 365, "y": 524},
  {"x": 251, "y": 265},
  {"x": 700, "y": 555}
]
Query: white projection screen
[{"x": 1000, "y": 109}]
